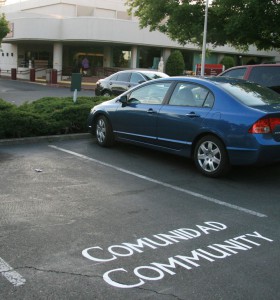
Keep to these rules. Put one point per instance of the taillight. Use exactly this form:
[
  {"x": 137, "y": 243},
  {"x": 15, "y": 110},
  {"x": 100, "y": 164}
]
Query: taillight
[{"x": 265, "y": 125}]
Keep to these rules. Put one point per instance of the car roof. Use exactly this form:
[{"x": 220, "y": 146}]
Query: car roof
[
  {"x": 215, "y": 80},
  {"x": 253, "y": 66},
  {"x": 164, "y": 75},
  {"x": 140, "y": 71}
]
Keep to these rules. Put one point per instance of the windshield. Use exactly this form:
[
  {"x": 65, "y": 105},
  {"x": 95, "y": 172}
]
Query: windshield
[
  {"x": 251, "y": 94},
  {"x": 154, "y": 75}
]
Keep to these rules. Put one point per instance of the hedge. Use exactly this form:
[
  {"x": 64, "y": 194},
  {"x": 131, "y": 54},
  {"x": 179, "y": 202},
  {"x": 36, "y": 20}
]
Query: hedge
[
  {"x": 46, "y": 116},
  {"x": 175, "y": 64}
]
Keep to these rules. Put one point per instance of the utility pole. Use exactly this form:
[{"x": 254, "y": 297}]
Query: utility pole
[{"x": 204, "y": 40}]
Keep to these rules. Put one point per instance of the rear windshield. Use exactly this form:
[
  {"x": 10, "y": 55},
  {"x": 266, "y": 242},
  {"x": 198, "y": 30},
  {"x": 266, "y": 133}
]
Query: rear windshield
[
  {"x": 268, "y": 76},
  {"x": 251, "y": 94},
  {"x": 235, "y": 73}
]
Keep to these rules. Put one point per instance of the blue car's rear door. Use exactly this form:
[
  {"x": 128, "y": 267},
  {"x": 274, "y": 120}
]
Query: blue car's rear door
[{"x": 182, "y": 118}]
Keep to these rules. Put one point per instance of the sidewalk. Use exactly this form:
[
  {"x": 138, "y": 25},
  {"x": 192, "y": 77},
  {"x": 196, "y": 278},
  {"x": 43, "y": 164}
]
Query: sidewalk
[{"x": 88, "y": 83}]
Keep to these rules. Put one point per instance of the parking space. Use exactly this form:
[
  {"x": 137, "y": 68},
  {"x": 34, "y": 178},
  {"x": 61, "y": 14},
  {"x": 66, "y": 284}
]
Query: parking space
[{"x": 83, "y": 222}]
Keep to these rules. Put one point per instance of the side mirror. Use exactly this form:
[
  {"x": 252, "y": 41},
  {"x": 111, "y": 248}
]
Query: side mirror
[{"x": 123, "y": 99}]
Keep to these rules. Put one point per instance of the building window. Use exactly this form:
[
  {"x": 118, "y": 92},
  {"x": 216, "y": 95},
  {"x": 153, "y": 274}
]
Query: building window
[
  {"x": 188, "y": 59},
  {"x": 104, "y": 13},
  {"x": 122, "y": 57},
  {"x": 123, "y": 15},
  {"x": 83, "y": 11},
  {"x": 149, "y": 57}
]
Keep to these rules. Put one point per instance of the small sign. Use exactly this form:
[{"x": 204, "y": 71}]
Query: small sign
[{"x": 210, "y": 69}]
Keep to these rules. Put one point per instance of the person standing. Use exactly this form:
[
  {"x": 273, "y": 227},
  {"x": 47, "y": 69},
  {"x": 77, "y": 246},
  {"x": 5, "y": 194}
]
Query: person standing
[{"x": 85, "y": 65}]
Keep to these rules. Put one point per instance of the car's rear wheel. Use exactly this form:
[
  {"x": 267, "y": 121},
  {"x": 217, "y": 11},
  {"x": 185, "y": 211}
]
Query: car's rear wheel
[
  {"x": 211, "y": 157},
  {"x": 104, "y": 132}
]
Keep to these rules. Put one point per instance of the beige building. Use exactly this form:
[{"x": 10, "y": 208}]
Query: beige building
[{"x": 58, "y": 34}]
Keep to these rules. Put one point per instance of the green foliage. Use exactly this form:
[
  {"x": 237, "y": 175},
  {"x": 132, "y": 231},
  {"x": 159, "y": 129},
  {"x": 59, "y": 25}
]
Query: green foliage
[
  {"x": 246, "y": 22},
  {"x": 175, "y": 64},
  {"x": 4, "y": 27},
  {"x": 240, "y": 23},
  {"x": 228, "y": 62},
  {"x": 47, "y": 116},
  {"x": 5, "y": 105},
  {"x": 180, "y": 20}
]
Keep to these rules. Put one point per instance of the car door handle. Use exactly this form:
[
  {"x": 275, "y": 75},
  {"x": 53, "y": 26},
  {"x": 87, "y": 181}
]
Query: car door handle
[
  {"x": 150, "y": 111},
  {"x": 192, "y": 115}
]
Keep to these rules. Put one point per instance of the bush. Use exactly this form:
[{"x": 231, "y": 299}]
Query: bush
[
  {"x": 46, "y": 116},
  {"x": 175, "y": 64},
  {"x": 228, "y": 62}
]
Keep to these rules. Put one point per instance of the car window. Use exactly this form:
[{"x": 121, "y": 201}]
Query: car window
[
  {"x": 209, "y": 101},
  {"x": 123, "y": 76},
  {"x": 187, "y": 94},
  {"x": 154, "y": 75},
  {"x": 267, "y": 76},
  {"x": 150, "y": 94},
  {"x": 235, "y": 73},
  {"x": 136, "y": 78},
  {"x": 251, "y": 94},
  {"x": 113, "y": 77}
]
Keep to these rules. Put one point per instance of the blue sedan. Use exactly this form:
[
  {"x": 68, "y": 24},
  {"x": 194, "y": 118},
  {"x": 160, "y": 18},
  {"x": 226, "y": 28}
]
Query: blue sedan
[{"x": 218, "y": 122}]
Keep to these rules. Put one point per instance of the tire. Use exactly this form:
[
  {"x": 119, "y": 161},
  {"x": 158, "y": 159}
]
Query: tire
[
  {"x": 210, "y": 157},
  {"x": 106, "y": 94},
  {"x": 104, "y": 132}
]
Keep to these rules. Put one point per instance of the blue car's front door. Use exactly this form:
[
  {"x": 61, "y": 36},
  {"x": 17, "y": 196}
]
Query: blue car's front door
[{"x": 136, "y": 120}]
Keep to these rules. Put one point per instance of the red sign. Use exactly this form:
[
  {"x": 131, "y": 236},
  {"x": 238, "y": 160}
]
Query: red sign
[{"x": 210, "y": 69}]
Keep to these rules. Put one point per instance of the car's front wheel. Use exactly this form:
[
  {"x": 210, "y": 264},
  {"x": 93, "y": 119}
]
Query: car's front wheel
[
  {"x": 106, "y": 94},
  {"x": 104, "y": 132},
  {"x": 210, "y": 157}
]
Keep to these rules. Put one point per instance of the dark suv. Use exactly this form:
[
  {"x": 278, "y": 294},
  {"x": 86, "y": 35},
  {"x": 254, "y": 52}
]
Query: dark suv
[
  {"x": 124, "y": 80},
  {"x": 266, "y": 74}
]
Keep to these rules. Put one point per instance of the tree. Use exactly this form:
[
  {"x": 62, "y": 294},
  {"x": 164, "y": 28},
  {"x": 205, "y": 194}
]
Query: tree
[
  {"x": 4, "y": 27},
  {"x": 246, "y": 22},
  {"x": 175, "y": 64},
  {"x": 240, "y": 23}
]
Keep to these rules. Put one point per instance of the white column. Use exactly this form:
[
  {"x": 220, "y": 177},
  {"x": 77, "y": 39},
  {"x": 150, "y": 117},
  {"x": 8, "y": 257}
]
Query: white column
[
  {"x": 165, "y": 54},
  {"x": 57, "y": 59},
  {"x": 134, "y": 57}
]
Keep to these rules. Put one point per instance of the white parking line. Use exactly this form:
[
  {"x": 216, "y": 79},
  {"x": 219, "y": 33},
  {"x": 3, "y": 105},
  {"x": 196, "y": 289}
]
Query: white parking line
[
  {"x": 10, "y": 274},
  {"x": 248, "y": 211}
]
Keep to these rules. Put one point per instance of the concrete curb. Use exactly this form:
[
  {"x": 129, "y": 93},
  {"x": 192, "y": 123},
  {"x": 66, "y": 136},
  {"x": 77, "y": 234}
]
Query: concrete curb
[{"x": 44, "y": 139}]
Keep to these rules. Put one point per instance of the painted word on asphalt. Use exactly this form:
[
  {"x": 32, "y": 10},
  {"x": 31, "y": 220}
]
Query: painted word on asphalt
[
  {"x": 158, "y": 270},
  {"x": 10, "y": 274}
]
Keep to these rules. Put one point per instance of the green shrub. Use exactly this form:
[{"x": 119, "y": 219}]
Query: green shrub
[
  {"x": 228, "y": 62},
  {"x": 5, "y": 105},
  {"x": 175, "y": 64},
  {"x": 47, "y": 116}
]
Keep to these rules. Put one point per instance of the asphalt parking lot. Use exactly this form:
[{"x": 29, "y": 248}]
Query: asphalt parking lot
[
  {"x": 82, "y": 222},
  {"x": 19, "y": 91}
]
